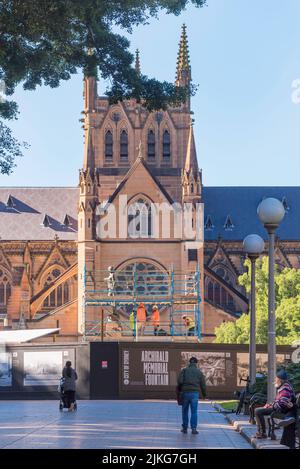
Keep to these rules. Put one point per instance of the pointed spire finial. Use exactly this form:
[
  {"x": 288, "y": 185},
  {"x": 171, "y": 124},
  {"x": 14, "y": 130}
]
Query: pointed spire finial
[
  {"x": 183, "y": 70},
  {"x": 191, "y": 163},
  {"x": 137, "y": 65},
  {"x": 90, "y": 69},
  {"x": 90, "y": 81},
  {"x": 89, "y": 157}
]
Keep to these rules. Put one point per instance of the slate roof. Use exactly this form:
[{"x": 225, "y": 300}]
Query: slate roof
[
  {"x": 240, "y": 204},
  {"x": 23, "y": 211}
]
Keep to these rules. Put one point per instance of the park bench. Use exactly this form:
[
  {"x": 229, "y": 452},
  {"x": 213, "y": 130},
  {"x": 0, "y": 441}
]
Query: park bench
[
  {"x": 249, "y": 399},
  {"x": 278, "y": 420}
]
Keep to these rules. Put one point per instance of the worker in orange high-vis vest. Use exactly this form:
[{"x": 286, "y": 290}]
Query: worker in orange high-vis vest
[
  {"x": 155, "y": 319},
  {"x": 141, "y": 316}
]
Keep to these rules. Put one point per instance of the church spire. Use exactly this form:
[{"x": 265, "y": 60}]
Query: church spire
[
  {"x": 89, "y": 160},
  {"x": 137, "y": 64},
  {"x": 90, "y": 82},
  {"x": 191, "y": 163},
  {"x": 183, "y": 70},
  {"x": 191, "y": 176}
]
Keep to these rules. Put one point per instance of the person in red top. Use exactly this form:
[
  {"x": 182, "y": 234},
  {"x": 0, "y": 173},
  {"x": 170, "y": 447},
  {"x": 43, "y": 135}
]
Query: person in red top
[
  {"x": 284, "y": 401},
  {"x": 141, "y": 316},
  {"x": 155, "y": 319}
]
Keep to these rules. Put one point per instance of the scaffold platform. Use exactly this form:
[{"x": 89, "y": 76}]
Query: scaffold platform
[{"x": 112, "y": 298}]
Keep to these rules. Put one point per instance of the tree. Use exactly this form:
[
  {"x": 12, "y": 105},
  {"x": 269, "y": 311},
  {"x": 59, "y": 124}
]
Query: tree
[
  {"x": 46, "y": 41},
  {"x": 287, "y": 293},
  {"x": 10, "y": 149}
]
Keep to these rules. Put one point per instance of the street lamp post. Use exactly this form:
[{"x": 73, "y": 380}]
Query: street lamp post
[
  {"x": 253, "y": 246},
  {"x": 271, "y": 212}
]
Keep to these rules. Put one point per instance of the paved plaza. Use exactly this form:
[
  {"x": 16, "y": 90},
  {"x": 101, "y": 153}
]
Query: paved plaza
[{"x": 111, "y": 424}]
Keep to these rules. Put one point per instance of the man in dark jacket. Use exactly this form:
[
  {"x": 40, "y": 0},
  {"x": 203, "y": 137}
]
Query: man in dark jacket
[{"x": 191, "y": 382}]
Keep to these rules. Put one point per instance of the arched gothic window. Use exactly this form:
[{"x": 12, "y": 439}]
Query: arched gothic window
[
  {"x": 108, "y": 146},
  {"x": 5, "y": 288},
  {"x": 217, "y": 295},
  {"x": 225, "y": 274},
  {"x": 60, "y": 295},
  {"x": 151, "y": 145},
  {"x": 217, "y": 299},
  {"x": 123, "y": 146},
  {"x": 166, "y": 146},
  {"x": 210, "y": 291},
  {"x": 140, "y": 219}
]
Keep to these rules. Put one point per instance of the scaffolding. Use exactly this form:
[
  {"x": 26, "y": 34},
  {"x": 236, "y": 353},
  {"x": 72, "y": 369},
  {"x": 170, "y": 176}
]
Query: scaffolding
[{"x": 111, "y": 300}]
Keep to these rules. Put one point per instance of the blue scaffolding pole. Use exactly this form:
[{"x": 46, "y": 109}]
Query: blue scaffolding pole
[
  {"x": 180, "y": 291},
  {"x": 198, "y": 309}
]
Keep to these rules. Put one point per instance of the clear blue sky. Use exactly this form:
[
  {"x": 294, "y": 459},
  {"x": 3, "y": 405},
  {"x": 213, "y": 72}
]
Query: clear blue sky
[{"x": 244, "y": 56}]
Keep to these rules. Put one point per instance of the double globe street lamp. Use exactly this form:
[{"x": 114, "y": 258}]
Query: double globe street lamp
[
  {"x": 253, "y": 246},
  {"x": 271, "y": 212}
]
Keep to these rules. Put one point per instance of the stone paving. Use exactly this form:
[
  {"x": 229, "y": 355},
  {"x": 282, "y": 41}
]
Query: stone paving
[{"x": 111, "y": 424}]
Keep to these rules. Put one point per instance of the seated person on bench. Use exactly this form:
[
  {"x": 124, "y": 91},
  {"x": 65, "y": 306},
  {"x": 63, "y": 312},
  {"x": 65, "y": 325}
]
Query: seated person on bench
[{"x": 284, "y": 401}]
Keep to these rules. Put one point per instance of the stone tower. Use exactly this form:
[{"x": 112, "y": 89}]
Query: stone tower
[{"x": 142, "y": 157}]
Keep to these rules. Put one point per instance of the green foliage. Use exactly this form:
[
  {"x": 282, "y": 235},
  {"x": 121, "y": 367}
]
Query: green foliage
[
  {"x": 10, "y": 149},
  {"x": 46, "y": 41},
  {"x": 260, "y": 386},
  {"x": 293, "y": 371},
  {"x": 287, "y": 293}
]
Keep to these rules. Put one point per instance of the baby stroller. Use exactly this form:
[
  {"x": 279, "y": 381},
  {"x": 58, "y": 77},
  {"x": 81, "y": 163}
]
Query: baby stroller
[{"x": 63, "y": 403}]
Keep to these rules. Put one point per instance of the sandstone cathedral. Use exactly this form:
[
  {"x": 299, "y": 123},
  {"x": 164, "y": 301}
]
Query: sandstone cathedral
[{"x": 49, "y": 237}]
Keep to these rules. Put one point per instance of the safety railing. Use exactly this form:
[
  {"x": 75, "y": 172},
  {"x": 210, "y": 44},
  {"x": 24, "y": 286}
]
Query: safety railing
[{"x": 118, "y": 295}]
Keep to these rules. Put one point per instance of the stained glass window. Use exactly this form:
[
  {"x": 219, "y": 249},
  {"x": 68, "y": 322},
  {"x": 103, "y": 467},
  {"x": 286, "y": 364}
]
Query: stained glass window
[
  {"x": 140, "y": 222},
  {"x": 108, "y": 146},
  {"x": 166, "y": 145},
  {"x": 124, "y": 146},
  {"x": 5, "y": 288},
  {"x": 151, "y": 145},
  {"x": 145, "y": 278}
]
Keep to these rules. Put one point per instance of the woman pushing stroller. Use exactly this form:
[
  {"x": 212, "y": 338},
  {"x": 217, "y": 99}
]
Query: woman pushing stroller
[{"x": 70, "y": 376}]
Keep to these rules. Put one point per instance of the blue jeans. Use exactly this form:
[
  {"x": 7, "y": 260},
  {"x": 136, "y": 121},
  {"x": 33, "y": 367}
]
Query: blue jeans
[{"x": 190, "y": 399}]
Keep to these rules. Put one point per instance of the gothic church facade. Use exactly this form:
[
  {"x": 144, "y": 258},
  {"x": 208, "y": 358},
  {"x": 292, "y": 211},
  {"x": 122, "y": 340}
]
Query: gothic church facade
[{"x": 49, "y": 236}]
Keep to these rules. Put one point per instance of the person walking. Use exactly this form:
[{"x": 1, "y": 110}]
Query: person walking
[
  {"x": 191, "y": 382},
  {"x": 284, "y": 401},
  {"x": 189, "y": 325},
  {"x": 141, "y": 316},
  {"x": 155, "y": 319},
  {"x": 70, "y": 377}
]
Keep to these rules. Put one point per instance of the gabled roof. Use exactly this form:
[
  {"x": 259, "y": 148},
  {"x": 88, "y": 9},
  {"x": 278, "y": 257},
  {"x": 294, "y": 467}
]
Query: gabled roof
[{"x": 140, "y": 161}]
